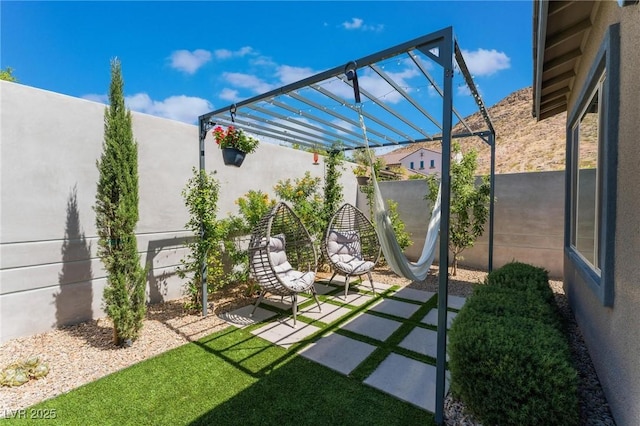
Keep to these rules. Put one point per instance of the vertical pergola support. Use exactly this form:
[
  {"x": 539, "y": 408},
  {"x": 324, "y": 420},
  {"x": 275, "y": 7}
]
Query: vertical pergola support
[
  {"x": 492, "y": 183},
  {"x": 204, "y": 127},
  {"x": 446, "y": 58}
]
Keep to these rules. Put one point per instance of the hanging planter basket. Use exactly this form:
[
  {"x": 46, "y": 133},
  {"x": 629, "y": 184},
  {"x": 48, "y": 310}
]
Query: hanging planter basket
[
  {"x": 362, "y": 180},
  {"x": 233, "y": 157}
]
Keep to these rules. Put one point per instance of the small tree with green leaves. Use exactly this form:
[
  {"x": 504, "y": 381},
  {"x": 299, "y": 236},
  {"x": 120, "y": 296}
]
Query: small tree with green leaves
[
  {"x": 469, "y": 203},
  {"x": 252, "y": 206},
  {"x": 7, "y": 74},
  {"x": 201, "y": 198},
  {"x": 116, "y": 211},
  {"x": 306, "y": 202}
]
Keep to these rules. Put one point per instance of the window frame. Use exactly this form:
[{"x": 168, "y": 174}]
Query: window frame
[{"x": 606, "y": 63}]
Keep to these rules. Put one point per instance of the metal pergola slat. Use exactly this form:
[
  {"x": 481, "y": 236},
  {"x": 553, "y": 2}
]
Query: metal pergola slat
[{"x": 442, "y": 48}]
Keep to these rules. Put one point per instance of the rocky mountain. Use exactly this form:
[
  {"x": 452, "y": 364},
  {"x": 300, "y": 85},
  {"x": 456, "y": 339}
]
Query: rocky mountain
[{"x": 522, "y": 143}]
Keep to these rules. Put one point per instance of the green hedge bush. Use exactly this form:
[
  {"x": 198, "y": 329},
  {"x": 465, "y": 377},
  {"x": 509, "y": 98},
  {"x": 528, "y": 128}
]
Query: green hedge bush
[
  {"x": 508, "y": 357},
  {"x": 522, "y": 276},
  {"x": 509, "y": 302}
]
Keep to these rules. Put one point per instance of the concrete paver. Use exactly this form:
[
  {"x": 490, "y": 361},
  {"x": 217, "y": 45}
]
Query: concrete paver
[
  {"x": 329, "y": 312},
  {"x": 284, "y": 334},
  {"x": 372, "y": 326},
  {"x": 432, "y": 318},
  {"x": 395, "y": 308},
  {"x": 407, "y": 379},
  {"x": 240, "y": 317},
  {"x": 338, "y": 352}
]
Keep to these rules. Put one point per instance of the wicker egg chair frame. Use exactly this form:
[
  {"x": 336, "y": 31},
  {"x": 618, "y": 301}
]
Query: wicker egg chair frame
[
  {"x": 364, "y": 243},
  {"x": 293, "y": 269}
]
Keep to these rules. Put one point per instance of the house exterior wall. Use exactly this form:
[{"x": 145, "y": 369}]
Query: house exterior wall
[
  {"x": 611, "y": 332},
  {"x": 49, "y": 272},
  {"x": 427, "y": 157},
  {"x": 528, "y": 220}
]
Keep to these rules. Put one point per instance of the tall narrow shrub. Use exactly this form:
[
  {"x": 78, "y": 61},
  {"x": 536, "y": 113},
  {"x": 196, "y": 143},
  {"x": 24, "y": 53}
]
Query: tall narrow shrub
[{"x": 116, "y": 211}]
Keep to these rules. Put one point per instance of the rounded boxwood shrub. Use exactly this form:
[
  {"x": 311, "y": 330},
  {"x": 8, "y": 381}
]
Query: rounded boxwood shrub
[
  {"x": 510, "y": 302},
  {"x": 522, "y": 276},
  {"x": 512, "y": 370}
]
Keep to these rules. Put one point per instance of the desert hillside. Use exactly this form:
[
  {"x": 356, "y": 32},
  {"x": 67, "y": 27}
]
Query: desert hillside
[{"x": 522, "y": 143}]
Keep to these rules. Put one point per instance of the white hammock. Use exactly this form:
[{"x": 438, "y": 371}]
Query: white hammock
[{"x": 393, "y": 254}]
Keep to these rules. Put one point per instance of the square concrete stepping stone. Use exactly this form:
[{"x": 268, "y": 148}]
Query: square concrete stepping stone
[
  {"x": 282, "y": 303},
  {"x": 380, "y": 287},
  {"x": 456, "y": 302},
  {"x": 338, "y": 352},
  {"x": 395, "y": 308},
  {"x": 329, "y": 312},
  {"x": 323, "y": 288},
  {"x": 353, "y": 299},
  {"x": 413, "y": 294},
  {"x": 283, "y": 334},
  {"x": 240, "y": 317},
  {"x": 432, "y": 318},
  {"x": 423, "y": 341},
  {"x": 407, "y": 379},
  {"x": 372, "y": 326}
]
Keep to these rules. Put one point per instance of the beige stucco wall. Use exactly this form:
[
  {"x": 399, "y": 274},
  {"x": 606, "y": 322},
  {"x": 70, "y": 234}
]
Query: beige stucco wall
[
  {"x": 613, "y": 333},
  {"x": 49, "y": 144}
]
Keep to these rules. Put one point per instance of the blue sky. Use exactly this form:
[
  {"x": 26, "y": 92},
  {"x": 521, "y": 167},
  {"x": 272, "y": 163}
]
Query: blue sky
[{"x": 182, "y": 59}]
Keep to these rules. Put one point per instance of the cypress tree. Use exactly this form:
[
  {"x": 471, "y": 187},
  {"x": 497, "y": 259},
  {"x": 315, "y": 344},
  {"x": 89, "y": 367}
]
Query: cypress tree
[{"x": 116, "y": 211}]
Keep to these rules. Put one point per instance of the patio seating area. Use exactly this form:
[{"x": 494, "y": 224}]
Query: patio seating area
[{"x": 386, "y": 340}]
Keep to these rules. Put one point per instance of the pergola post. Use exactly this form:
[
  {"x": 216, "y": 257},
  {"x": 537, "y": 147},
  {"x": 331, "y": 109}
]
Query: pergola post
[
  {"x": 446, "y": 56},
  {"x": 492, "y": 183},
  {"x": 203, "y": 267}
]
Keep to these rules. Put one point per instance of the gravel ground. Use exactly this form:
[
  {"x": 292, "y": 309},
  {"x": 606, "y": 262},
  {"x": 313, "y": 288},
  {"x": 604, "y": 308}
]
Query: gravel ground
[{"x": 84, "y": 352}]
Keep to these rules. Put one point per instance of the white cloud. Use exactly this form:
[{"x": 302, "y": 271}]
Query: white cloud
[
  {"x": 288, "y": 74},
  {"x": 181, "y": 108},
  {"x": 189, "y": 62},
  {"x": 226, "y": 53},
  {"x": 264, "y": 61},
  {"x": 230, "y": 95},
  {"x": 103, "y": 99},
  {"x": 358, "y": 24},
  {"x": 353, "y": 25},
  {"x": 484, "y": 62},
  {"x": 247, "y": 81}
]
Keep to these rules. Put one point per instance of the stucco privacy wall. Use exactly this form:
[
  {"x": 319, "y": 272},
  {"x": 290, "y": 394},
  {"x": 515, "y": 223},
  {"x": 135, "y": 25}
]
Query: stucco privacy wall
[
  {"x": 49, "y": 272},
  {"x": 528, "y": 219},
  {"x": 612, "y": 333}
]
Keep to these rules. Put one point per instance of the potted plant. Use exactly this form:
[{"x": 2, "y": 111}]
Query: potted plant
[
  {"x": 235, "y": 144},
  {"x": 361, "y": 173}
]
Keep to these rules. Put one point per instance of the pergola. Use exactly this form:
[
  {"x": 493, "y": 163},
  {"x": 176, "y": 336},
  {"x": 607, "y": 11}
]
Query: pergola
[{"x": 405, "y": 93}]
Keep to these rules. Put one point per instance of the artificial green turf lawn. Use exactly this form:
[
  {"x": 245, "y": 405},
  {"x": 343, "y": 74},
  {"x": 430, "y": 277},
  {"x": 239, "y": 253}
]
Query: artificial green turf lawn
[{"x": 230, "y": 378}]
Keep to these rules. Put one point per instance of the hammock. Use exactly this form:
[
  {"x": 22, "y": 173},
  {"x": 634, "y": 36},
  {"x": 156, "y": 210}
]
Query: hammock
[{"x": 393, "y": 254}]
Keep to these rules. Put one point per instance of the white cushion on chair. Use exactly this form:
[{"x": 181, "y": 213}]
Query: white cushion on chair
[
  {"x": 344, "y": 242},
  {"x": 297, "y": 281},
  {"x": 351, "y": 265},
  {"x": 293, "y": 280},
  {"x": 345, "y": 252}
]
